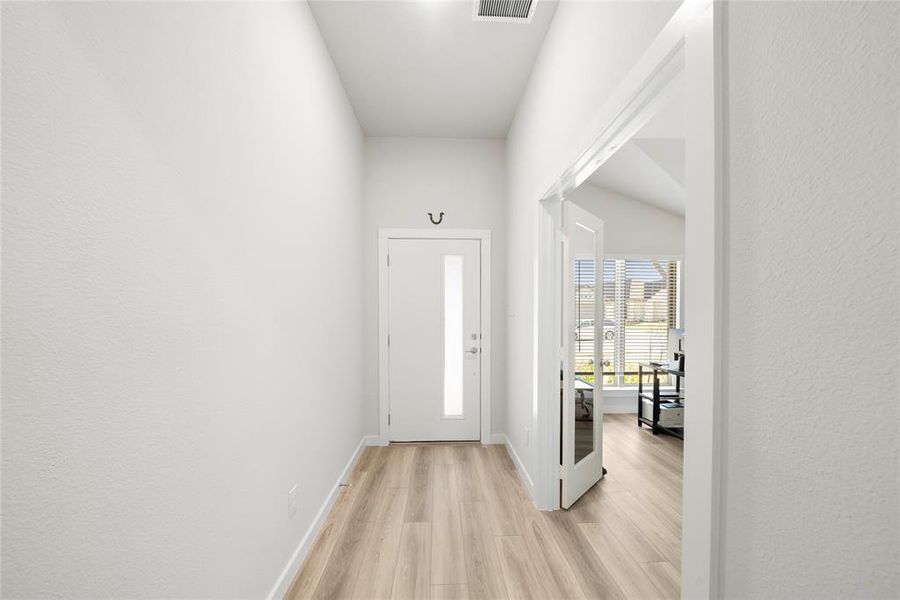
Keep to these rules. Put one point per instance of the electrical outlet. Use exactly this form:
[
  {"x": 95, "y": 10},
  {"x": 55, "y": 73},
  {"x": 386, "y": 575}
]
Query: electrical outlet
[{"x": 292, "y": 502}]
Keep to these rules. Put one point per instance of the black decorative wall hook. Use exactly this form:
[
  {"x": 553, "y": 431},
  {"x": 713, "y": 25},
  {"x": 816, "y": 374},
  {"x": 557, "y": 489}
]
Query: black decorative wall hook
[{"x": 440, "y": 218}]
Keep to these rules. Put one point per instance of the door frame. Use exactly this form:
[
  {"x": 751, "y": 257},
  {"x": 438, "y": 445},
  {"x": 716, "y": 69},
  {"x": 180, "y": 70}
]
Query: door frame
[
  {"x": 690, "y": 46},
  {"x": 385, "y": 235}
]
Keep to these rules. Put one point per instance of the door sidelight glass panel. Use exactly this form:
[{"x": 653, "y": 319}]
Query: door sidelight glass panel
[{"x": 453, "y": 336}]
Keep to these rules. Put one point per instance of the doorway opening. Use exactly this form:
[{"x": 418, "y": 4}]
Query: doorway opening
[
  {"x": 623, "y": 352},
  {"x": 686, "y": 290}
]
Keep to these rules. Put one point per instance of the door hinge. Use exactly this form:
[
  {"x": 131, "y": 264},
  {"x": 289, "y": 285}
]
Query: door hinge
[
  {"x": 389, "y": 340},
  {"x": 388, "y": 260},
  {"x": 389, "y": 418}
]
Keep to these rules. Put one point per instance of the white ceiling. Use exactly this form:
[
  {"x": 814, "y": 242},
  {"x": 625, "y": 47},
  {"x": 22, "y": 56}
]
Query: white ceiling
[
  {"x": 650, "y": 167},
  {"x": 424, "y": 68},
  {"x": 667, "y": 153}
]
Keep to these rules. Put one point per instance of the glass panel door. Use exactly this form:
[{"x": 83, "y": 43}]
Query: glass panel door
[{"x": 582, "y": 365}]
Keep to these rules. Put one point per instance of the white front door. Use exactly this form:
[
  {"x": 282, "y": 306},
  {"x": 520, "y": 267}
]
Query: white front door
[
  {"x": 434, "y": 334},
  {"x": 582, "y": 345}
]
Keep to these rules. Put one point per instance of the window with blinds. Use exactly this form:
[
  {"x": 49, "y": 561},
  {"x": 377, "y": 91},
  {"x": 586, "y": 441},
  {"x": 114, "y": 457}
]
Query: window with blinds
[{"x": 640, "y": 305}]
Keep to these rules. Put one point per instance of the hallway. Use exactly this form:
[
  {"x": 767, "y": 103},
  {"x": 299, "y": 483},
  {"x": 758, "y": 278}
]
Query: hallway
[
  {"x": 245, "y": 245},
  {"x": 454, "y": 521}
]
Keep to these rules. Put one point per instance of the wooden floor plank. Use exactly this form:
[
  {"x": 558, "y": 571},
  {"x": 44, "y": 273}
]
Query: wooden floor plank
[
  {"x": 649, "y": 522},
  {"x": 627, "y": 573},
  {"x": 592, "y": 575},
  {"x": 376, "y": 576},
  {"x": 399, "y": 467},
  {"x": 551, "y": 566},
  {"x": 631, "y": 537},
  {"x": 467, "y": 474},
  {"x": 370, "y": 495},
  {"x": 653, "y": 484},
  {"x": 455, "y": 591},
  {"x": 419, "y": 503},
  {"x": 365, "y": 458},
  {"x": 591, "y": 507},
  {"x": 342, "y": 570},
  {"x": 304, "y": 585},
  {"x": 444, "y": 455},
  {"x": 496, "y": 497},
  {"x": 666, "y": 577},
  {"x": 412, "y": 580},
  {"x": 447, "y": 560},
  {"x": 501, "y": 457},
  {"x": 339, "y": 578},
  {"x": 519, "y": 570},
  {"x": 483, "y": 572}
]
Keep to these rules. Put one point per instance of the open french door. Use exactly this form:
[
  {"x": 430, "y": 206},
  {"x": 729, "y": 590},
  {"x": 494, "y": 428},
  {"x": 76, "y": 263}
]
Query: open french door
[{"x": 581, "y": 453}]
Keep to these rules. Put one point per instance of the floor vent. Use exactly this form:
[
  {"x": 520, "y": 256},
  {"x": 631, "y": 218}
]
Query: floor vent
[{"x": 504, "y": 11}]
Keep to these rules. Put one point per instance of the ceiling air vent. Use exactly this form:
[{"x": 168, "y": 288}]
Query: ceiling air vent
[{"x": 504, "y": 11}]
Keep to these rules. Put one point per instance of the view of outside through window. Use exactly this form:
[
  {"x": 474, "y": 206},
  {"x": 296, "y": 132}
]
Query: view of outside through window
[{"x": 640, "y": 304}]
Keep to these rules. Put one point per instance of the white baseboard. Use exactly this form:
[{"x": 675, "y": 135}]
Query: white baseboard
[
  {"x": 502, "y": 438},
  {"x": 498, "y": 438},
  {"x": 616, "y": 402},
  {"x": 293, "y": 566},
  {"x": 619, "y": 407}
]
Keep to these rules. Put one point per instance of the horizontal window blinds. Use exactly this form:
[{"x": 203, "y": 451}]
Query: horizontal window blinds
[
  {"x": 585, "y": 298},
  {"x": 645, "y": 317},
  {"x": 640, "y": 305}
]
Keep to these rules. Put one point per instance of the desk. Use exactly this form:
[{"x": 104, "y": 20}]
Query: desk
[{"x": 656, "y": 396}]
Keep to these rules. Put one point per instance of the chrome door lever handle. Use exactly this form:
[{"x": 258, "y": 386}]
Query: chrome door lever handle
[{"x": 472, "y": 350}]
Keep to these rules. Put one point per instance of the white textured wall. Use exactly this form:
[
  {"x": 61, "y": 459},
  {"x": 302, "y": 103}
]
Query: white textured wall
[
  {"x": 813, "y": 281},
  {"x": 405, "y": 178},
  {"x": 631, "y": 227},
  {"x": 181, "y": 271},
  {"x": 587, "y": 51}
]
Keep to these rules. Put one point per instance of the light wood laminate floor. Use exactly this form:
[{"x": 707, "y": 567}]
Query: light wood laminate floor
[{"x": 454, "y": 522}]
